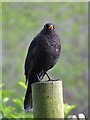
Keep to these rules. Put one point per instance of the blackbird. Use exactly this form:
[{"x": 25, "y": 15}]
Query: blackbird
[{"x": 42, "y": 55}]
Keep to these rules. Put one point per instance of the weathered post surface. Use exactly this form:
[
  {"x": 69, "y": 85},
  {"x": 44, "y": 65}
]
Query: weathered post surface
[{"x": 48, "y": 99}]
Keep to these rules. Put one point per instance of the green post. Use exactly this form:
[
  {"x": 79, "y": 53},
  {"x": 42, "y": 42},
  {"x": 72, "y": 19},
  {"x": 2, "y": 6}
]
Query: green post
[{"x": 48, "y": 99}]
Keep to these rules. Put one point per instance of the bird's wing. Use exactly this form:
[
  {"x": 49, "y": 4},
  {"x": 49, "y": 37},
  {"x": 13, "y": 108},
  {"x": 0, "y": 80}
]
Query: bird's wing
[{"x": 31, "y": 57}]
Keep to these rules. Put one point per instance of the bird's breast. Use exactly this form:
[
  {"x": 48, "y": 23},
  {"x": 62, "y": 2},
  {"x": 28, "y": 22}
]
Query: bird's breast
[
  {"x": 52, "y": 48},
  {"x": 49, "y": 51}
]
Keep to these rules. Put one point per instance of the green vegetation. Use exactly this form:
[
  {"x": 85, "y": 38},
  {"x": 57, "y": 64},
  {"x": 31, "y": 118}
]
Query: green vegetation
[
  {"x": 21, "y": 22},
  {"x": 13, "y": 107}
]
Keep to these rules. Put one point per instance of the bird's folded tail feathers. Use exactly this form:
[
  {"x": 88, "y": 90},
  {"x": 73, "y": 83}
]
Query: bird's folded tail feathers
[{"x": 28, "y": 98}]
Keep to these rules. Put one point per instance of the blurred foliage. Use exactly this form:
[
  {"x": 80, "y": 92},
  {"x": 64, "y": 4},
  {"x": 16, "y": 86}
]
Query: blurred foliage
[
  {"x": 21, "y": 22},
  {"x": 15, "y": 108},
  {"x": 68, "y": 109}
]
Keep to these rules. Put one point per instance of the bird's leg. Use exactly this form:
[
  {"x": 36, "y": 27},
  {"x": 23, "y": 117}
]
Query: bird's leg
[
  {"x": 39, "y": 78},
  {"x": 48, "y": 76}
]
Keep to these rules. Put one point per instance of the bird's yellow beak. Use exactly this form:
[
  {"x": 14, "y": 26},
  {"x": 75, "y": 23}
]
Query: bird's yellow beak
[{"x": 51, "y": 27}]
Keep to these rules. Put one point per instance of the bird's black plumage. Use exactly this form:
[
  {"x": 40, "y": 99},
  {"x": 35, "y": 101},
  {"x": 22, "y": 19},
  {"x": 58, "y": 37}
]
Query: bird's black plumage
[{"x": 42, "y": 55}]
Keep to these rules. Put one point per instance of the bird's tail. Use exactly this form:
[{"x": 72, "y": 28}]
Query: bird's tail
[{"x": 28, "y": 98}]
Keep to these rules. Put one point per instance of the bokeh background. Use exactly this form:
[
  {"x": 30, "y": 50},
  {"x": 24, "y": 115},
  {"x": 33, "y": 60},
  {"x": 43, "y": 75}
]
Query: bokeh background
[{"x": 21, "y": 22}]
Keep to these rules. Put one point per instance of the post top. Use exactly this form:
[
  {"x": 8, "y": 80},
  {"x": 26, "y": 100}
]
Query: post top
[{"x": 48, "y": 82}]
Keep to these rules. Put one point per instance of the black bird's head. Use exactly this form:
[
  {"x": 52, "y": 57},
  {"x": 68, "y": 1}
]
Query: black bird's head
[{"x": 49, "y": 26}]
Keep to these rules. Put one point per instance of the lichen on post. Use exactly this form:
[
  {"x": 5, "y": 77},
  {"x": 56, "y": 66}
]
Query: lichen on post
[{"x": 48, "y": 99}]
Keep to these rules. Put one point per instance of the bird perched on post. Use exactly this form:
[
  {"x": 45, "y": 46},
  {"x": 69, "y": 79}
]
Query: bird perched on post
[{"x": 42, "y": 55}]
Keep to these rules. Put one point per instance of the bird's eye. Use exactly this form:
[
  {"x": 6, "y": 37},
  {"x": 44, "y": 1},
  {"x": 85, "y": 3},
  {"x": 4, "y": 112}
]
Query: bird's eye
[{"x": 46, "y": 26}]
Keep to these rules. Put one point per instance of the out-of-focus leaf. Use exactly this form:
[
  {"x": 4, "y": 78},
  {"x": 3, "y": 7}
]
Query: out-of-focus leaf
[
  {"x": 68, "y": 109},
  {"x": 17, "y": 101},
  {"x": 22, "y": 84},
  {"x": 5, "y": 99}
]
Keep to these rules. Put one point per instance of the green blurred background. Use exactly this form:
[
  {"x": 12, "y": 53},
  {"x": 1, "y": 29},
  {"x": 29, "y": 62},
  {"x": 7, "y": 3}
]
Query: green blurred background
[{"x": 21, "y": 22}]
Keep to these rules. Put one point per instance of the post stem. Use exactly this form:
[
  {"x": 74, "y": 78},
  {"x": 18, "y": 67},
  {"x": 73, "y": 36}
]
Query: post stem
[{"x": 48, "y": 99}]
